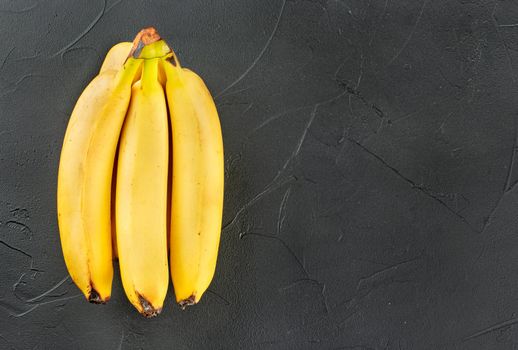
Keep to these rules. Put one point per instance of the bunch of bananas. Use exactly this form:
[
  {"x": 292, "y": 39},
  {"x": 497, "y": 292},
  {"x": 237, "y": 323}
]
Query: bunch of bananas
[{"x": 140, "y": 183}]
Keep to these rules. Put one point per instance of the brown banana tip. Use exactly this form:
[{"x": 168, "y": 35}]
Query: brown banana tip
[
  {"x": 148, "y": 310},
  {"x": 187, "y": 302},
  {"x": 95, "y": 298},
  {"x": 145, "y": 37}
]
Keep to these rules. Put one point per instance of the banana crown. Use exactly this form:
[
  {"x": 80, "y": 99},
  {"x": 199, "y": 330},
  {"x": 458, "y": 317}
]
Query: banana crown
[{"x": 148, "y": 44}]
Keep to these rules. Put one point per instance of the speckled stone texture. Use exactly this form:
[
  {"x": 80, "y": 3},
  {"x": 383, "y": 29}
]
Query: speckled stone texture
[{"x": 370, "y": 148}]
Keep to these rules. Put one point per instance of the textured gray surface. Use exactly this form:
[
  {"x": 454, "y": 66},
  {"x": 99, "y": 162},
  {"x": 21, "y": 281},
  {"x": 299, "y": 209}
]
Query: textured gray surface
[{"x": 370, "y": 160}]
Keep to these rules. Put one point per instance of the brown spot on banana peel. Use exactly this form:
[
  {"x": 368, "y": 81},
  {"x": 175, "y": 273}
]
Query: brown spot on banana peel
[
  {"x": 148, "y": 310},
  {"x": 187, "y": 302}
]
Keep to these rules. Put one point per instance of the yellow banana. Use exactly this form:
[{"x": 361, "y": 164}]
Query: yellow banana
[
  {"x": 141, "y": 194},
  {"x": 116, "y": 57},
  {"x": 197, "y": 182},
  {"x": 114, "y": 61},
  {"x": 84, "y": 180},
  {"x": 142, "y": 179}
]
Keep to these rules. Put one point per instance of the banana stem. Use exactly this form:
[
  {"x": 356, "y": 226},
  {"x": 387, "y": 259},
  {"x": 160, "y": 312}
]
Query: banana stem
[
  {"x": 146, "y": 36},
  {"x": 127, "y": 74},
  {"x": 172, "y": 72},
  {"x": 150, "y": 73},
  {"x": 175, "y": 62}
]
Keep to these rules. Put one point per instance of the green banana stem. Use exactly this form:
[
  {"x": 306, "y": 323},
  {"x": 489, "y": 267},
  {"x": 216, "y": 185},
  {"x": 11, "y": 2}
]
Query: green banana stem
[
  {"x": 150, "y": 73},
  {"x": 127, "y": 74},
  {"x": 154, "y": 50},
  {"x": 173, "y": 59},
  {"x": 172, "y": 72}
]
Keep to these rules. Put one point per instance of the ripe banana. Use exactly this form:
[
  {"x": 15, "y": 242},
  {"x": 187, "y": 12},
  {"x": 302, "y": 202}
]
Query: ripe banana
[
  {"x": 197, "y": 182},
  {"x": 147, "y": 188},
  {"x": 85, "y": 176},
  {"x": 141, "y": 194},
  {"x": 116, "y": 57},
  {"x": 114, "y": 61}
]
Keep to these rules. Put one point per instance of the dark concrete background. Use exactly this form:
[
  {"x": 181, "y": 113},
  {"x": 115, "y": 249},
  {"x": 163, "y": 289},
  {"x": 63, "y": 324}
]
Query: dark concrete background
[{"x": 371, "y": 167}]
